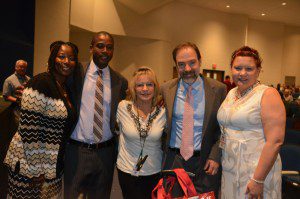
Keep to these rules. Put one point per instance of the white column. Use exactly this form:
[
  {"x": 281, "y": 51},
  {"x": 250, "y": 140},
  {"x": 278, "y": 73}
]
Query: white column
[{"x": 52, "y": 22}]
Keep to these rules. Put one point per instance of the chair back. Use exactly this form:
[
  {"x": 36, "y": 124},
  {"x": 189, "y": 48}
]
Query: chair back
[{"x": 290, "y": 157}]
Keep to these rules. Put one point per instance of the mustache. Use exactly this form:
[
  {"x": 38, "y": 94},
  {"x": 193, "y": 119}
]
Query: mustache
[{"x": 189, "y": 73}]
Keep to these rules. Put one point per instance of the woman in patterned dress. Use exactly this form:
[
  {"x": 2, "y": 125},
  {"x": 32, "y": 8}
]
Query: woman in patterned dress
[
  {"x": 252, "y": 120},
  {"x": 35, "y": 154}
]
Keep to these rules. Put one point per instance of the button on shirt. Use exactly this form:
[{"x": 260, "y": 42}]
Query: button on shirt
[
  {"x": 177, "y": 117},
  {"x": 84, "y": 128}
]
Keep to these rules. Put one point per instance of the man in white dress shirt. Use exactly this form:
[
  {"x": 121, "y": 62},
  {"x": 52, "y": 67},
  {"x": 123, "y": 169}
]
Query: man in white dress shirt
[{"x": 90, "y": 158}]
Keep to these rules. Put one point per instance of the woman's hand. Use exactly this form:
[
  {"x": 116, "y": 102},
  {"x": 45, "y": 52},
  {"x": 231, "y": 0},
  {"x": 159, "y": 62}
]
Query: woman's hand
[{"x": 254, "y": 190}]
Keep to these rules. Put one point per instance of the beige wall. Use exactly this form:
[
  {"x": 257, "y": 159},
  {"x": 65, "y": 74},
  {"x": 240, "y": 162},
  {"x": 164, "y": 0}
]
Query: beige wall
[
  {"x": 268, "y": 39},
  {"x": 96, "y": 14},
  {"x": 291, "y": 53},
  {"x": 82, "y": 39},
  {"x": 148, "y": 39},
  {"x": 131, "y": 53},
  {"x": 51, "y": 24}
]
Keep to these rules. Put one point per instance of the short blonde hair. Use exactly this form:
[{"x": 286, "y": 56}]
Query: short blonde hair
[{"x": 143, "y": 70}]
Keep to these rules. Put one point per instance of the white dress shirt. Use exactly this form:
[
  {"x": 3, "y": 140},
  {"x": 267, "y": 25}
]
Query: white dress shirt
[{"x": 84, "y": 128}]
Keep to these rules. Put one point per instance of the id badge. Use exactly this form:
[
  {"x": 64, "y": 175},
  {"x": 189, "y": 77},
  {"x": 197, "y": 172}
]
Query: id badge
[
  {"x": 222, "y": 139},
  {"x": 134, "y": 172}
]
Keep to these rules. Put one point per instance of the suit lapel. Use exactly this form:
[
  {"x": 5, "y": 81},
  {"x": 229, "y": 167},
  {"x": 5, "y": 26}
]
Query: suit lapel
[
  {"x": 170, "y": 99},
  {"x": 83, "y": 74},
  {"x": 209, "y": 99},
  {"x": 115, "y": 89}
]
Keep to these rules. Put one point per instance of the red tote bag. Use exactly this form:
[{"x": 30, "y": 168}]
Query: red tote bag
[{"x": 187, "y": 186}]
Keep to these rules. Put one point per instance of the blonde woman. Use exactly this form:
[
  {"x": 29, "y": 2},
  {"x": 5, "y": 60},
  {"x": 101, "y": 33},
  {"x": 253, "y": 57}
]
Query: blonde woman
[{"x": 141, "y": 124}]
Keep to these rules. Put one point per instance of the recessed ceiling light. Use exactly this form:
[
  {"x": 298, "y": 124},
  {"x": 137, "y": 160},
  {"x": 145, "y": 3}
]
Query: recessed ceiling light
[
  {"x": 263, "y": 14},
  {"x": 228, "y": 6},
  {"x": 284, "y": 3}
]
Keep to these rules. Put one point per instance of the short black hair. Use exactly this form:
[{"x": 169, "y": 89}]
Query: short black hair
[{"x": 101, "y": 33}]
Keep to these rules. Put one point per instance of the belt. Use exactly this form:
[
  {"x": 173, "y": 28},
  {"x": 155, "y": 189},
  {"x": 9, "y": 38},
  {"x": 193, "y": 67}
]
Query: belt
[
  {"x": 93, "y": 146},
  {"x": 177, "y": 151}
]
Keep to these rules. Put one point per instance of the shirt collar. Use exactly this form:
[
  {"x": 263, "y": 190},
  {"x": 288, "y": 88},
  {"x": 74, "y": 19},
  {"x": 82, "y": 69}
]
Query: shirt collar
[
  {"x": 94, "y": 69},
  {"x": 19, "y": 76},
  {"x": 195, "y": 85}
]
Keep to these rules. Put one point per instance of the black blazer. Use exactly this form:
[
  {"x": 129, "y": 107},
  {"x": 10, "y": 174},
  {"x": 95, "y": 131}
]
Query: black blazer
[{"x": 119, "y": 86}]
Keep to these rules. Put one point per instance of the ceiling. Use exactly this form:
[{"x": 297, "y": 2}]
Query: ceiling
[{"x": 273, "y": 9}]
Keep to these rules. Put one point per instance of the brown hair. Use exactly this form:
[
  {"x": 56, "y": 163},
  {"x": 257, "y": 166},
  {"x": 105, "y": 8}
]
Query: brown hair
[
  {"x": 247, "y": 51},
  {"x": 186, "y": 45},
  {"x": 143, "y": 70}
]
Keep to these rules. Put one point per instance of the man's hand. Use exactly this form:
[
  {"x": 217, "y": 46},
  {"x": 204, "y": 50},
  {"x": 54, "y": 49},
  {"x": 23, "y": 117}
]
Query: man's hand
[
  {"x": 211, "y": 167},
  {"x": 19, "y": 90}
]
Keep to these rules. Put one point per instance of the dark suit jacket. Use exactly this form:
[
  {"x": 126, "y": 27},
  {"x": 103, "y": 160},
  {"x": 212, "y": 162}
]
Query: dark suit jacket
[
  {"x": 118, "y": 92},
  {"x": 215, "y": 93}
]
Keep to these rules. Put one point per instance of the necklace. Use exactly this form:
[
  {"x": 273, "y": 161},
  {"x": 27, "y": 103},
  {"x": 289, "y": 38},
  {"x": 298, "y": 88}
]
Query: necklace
[
  {"x": 143, "y": 132},
  {"x": 245, "y": 92}
]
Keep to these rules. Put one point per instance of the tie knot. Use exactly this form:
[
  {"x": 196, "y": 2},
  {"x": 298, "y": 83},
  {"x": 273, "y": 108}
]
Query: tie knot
[
  {"x": 99, "y": 72},
  {"x": 190, "y": 88}
]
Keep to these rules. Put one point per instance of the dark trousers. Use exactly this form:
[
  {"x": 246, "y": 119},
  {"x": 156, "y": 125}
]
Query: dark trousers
[
  {"x": 89, "y": 172},
  {"x": 137, "y": 187},
  {"x": 202, "y": 182}
]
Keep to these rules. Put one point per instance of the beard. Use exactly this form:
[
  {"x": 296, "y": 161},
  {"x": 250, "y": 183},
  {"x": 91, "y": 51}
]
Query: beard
[{"x": 189, "y": 75}]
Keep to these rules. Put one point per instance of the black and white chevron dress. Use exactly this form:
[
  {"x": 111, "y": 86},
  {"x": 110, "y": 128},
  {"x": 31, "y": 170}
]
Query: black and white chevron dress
[{"x": 37, "y": 147}]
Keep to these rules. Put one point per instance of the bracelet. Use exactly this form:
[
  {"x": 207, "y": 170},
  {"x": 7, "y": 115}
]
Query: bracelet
[{"x": 258, "y": 181}]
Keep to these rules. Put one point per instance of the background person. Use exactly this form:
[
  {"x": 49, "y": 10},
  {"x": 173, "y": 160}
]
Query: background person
[
  {"x": 13, "y": 87},
  {"x": 228, "y": 83},
  {"x": 287, "y": 95},
  {"x": 192, "y": 102},
  {"x": 35, "y": 154},
  {"x": 252, "y": 120},
  {"x": 141, "y": 123}
]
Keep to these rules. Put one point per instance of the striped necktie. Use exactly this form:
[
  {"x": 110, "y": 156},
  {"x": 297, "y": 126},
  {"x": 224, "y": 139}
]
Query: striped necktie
[
  {"x": 187, "y": 139},
  {"x": 98, "y": 110}
]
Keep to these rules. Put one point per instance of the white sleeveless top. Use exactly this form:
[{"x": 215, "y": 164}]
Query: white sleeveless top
[{"x": 241, "y": 125}]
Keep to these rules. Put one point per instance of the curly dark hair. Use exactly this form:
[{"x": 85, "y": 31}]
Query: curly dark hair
[{"x": 247, "y": 51}]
